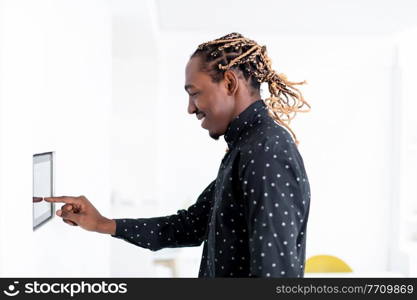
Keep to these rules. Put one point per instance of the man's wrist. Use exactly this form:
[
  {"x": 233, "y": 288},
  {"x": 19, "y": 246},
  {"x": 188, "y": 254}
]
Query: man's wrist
[{"x": 107, "y": 226}]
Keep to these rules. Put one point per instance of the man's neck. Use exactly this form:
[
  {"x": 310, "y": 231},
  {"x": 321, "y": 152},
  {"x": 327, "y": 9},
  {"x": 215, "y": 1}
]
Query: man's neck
[{"x": 243, "y": 104}]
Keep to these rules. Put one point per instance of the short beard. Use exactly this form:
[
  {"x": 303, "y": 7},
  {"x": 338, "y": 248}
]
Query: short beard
[{"x": 214, "y": 136}]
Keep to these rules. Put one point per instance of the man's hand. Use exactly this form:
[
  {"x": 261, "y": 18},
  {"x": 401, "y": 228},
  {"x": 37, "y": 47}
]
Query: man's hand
[{"x": 79, "y": 211}]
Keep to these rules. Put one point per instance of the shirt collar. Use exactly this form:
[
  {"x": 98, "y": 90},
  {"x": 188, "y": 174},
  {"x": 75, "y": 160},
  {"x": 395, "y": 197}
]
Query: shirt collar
[{"x": 252, "y": 114}]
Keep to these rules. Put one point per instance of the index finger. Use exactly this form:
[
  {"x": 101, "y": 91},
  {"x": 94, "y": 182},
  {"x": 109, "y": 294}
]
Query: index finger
[{"x": 63, "y": 199}]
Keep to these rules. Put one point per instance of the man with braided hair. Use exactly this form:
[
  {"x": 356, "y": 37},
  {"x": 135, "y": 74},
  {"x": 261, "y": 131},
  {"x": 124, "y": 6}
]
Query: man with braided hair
[{"x": 253, "y": 217}]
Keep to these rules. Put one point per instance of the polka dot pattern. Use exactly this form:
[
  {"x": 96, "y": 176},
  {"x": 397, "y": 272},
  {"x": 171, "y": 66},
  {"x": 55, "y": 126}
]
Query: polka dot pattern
[{"x": 252, "y": 218}]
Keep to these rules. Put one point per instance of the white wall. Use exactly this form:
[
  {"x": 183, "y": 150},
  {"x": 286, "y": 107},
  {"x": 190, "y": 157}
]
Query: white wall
[
  {"x": 133, "y": 151},
  {"x": 406, "y": 155},
  {"x": 2, "y": 224},
  {"x": 55, "y": 96}
]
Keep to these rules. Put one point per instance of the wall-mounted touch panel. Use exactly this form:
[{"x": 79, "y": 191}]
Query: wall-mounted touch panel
[{"x": 43, "y": 186}]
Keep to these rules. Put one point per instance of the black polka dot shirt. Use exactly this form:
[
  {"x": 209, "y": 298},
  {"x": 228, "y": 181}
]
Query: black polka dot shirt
[{"x": 252, "y": 218}]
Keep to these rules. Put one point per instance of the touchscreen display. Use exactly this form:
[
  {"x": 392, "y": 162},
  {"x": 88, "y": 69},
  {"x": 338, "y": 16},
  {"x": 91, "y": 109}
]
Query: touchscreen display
[{"x": 42, "y": 187}]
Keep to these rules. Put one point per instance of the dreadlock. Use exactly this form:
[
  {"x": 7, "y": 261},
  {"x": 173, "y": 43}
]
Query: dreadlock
[{"x": 234, "y": 51}]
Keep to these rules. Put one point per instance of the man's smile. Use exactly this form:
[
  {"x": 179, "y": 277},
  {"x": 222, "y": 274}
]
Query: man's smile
[{"x": 201, "y": 115}]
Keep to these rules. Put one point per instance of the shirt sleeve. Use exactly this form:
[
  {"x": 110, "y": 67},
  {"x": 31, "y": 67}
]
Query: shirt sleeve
[
  {"x": 185, "y": 228},
  {"x": 276, "y": 197}
]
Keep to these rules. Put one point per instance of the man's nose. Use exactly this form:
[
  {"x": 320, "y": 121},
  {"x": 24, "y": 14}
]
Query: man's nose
[{"x": 191, "y": 107}]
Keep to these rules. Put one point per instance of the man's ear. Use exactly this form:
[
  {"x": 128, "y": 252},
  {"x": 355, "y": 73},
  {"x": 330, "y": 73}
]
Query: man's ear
[{"x": 231, "y": 81}]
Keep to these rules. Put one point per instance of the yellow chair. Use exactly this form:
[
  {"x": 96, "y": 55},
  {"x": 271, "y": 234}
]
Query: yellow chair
[{"x": 326, "y": 264}]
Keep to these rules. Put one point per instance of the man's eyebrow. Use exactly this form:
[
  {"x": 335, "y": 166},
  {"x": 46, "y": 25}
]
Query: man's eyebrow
[{"x": 188, "y": 86}]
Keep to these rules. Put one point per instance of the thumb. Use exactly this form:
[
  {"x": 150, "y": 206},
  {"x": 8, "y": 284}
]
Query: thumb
[{"x": 68, "y": 215}]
